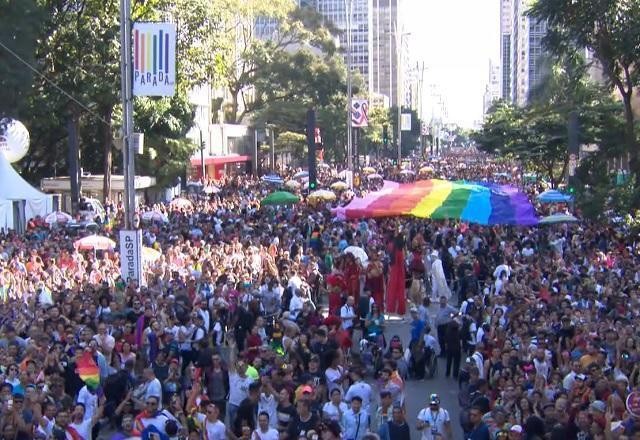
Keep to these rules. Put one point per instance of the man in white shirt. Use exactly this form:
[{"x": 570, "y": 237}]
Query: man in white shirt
[
  {"x": 348, "y": 314},
  {"x": 264, "y": 431},
  {"x": 359, "y": 388},
  {"x": 209, "y": 422},
  {"x": 153, "y": 387},
  {"x": 238, "y": 382},
  {"x": 434, "y": 422},
  {"x": 296, "y": 305},
  {"x": 105, "y": 341},
  {"x": 88, "y": 398}
]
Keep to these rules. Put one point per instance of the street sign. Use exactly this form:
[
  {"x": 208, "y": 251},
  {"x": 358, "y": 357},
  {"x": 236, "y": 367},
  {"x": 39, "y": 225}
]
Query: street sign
[
  {"x": 154, "y": 59},
  {"x": 424, "y": 129},
  {"x": 131, "y": 255},
  {"x": 359, "y": 113}
]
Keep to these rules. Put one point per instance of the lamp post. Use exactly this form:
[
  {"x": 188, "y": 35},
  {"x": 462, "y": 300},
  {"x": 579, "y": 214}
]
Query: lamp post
[
  {"x": 272, "y": 158},
  {"x": 347, "y": 6},
  {"x": 399, "y": 46},
  {"x": 128, "y": 154},
  {"x": 203, "y": 168}
]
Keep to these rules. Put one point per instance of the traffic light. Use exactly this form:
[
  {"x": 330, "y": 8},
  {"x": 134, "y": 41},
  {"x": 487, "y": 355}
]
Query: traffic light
[
  {"x": 385, "y": 135},
  {"x": 312, "y": 186}
]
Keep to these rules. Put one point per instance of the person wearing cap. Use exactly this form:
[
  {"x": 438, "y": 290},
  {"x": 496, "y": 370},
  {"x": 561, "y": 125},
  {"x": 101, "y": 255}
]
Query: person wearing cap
[
  {"x": 434, "y": 422},
  {"x": 515, "y": 432}
]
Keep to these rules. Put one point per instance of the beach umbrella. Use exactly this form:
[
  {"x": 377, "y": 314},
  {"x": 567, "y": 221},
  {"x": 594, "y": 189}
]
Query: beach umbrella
[
  {"x": 322, "y": 194},
  {"x": 293, "y": 184},
  {"x": 94, "y": 243},
  {"x": 357, "y": 252},
  {"x": 368, "y": 170},
  {"x": 273, "y": 178},
  {"x": 558, "y": 218},
  {"x": 301, "y": 174},
  {"x": 154, "y": 216},
  {"x": 280, "y": 198},
  {"x": 323, "y": 165},
  {"x": 339, "y": 186},
  {"x": 425, "y": 170},
  {"x": 374, "y": 176},
  {"x": 212, "y": 189},
  {"x": 553, "y": 196},
  {"x": 150, "y": 254},
  {"x": 407, "y": 172},
  {"x": 57, "y": 217},
  {"x": 180, "y": 203}
]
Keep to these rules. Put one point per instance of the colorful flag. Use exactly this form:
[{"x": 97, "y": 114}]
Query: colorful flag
[{"x": 88, "y": 370}]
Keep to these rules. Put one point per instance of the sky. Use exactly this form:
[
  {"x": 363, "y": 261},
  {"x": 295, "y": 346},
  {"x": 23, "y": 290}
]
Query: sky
[{"x": 455, "y": 39}]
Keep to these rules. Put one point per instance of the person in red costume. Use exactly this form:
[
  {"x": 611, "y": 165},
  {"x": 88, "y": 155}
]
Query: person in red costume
[
  {"x": 336, "y": 287},
  {"x": 352, "y": 276},
  {"x": 396, "y": 298}
]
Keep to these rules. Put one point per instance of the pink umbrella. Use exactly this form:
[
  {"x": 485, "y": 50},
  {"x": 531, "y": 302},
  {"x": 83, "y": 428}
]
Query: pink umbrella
[
  {"x": 57, "y": 217},
  {"x": 95, "y": 243}
]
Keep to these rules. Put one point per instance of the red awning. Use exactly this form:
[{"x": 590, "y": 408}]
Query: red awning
[{"x": 220, "y": 160}]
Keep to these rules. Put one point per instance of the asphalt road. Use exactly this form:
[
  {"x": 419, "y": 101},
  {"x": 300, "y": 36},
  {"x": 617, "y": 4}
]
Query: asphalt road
[{"x": 417, "y": 391}]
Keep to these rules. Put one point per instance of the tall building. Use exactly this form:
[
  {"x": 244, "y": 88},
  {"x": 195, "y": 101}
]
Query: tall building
[
  {"x": 337, "y": 12},
  {"x": 493, "y": 91},
  {"x": 527, "y": 52},
  {"x": 506, "y": 29},
  {"x": 384, "y": 56}
]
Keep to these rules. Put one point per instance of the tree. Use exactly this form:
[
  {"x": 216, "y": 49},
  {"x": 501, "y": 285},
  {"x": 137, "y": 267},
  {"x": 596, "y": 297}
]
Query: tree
[
  {"x": 611, "y": 31},
  {"x": 410, "y": 139},
  {"x": 20, "y": 23},
  {"x": 293, "y": 143},
  {"x": 371, "y": 139},
  {"x": 537, "y": 135}
]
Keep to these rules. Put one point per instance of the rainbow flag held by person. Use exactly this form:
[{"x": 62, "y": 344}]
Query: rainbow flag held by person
[{"x": 88, "y": 371}]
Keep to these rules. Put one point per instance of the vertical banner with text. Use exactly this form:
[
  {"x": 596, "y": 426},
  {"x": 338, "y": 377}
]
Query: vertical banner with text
[
  {"x": 154, "y": 59},
  {"x": 405, "y": 122},
  {"x": 359, "y": 113},
  {"x": 131, "y": 256}
]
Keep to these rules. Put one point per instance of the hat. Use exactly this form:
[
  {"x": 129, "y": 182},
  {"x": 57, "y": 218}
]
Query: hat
[
  {"x": 434, "y": 399},
  {"x": 581, "y": 377},
  {"x": 599, "y": 406},
  {"x": 516, "y": 428},
  {"x": 413, "y": 309}
]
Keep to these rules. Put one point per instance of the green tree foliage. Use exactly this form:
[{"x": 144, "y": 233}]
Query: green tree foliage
[
  {"x": 611, "y": 31},
  {"x": 23, "y": 19},
  {"x": 537, "y": 135},
  {"x": 293, "y": 143}
]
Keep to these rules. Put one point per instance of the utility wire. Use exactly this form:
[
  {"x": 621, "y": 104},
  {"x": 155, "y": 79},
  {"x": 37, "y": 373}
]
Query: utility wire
[{"x": 68, "y": 95}]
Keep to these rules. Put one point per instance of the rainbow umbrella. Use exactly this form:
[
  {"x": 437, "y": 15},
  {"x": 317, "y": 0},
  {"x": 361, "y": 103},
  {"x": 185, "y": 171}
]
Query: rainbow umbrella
[
  {"x": 88, "y": 371},
  {"x": 485, "y": 204},
  {"x": 58, "y": 217}
]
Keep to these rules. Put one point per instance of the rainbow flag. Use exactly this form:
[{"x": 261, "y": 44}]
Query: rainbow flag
[
  {"x": 484, "y": 204},
  {"x": 88, "y": 370}
]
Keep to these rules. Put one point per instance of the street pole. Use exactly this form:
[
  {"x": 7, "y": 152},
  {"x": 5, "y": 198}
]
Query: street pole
[
  {"x": 127, "y": 114},
  {"x": 273, "y": 148},
  {"x": 347, "y": 5},
  {"x": 399, "y": 37},
  {"x": 203, "y": 168}
]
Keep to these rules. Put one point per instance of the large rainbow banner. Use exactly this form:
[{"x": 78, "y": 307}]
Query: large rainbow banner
[
  {"x": 154, "y": 59},
  {"x": 484, "y": 204}
]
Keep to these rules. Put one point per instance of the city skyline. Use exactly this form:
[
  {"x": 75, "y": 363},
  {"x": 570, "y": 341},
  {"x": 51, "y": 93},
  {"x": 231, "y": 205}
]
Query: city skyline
[{"x": 457, "y": 40}]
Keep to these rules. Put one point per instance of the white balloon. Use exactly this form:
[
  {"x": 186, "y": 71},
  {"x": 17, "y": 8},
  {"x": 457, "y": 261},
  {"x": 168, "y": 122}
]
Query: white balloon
[{"x": 14, "y": 139}]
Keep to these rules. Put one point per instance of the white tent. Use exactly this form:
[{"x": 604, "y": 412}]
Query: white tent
[{"x": 19, "y": 201}]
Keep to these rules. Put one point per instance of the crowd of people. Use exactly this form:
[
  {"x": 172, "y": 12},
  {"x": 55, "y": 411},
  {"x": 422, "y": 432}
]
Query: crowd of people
[{"x": 254, "y": 323}]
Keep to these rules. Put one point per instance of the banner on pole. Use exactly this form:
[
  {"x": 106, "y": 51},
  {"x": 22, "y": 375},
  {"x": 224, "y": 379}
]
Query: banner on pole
[
  {"x": 131, "y": 256},
  {"x": 154, "y": 59},
  {"x": 359, "y": 113},
  {"x": 405, "y": 122}
]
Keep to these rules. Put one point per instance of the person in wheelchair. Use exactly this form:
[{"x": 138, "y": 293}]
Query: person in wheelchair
[{"x": 424, "y": 355}]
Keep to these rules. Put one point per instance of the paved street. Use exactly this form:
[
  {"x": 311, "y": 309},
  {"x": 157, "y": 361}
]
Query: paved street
[{"x": 417, "y": 392}]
